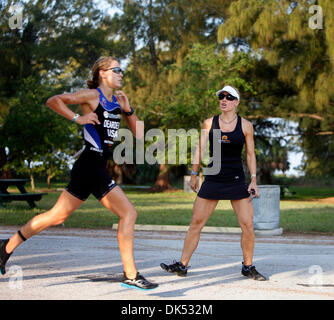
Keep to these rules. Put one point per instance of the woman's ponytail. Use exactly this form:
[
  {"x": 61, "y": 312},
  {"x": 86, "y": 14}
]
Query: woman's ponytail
[{"x": 93, "y": 83}]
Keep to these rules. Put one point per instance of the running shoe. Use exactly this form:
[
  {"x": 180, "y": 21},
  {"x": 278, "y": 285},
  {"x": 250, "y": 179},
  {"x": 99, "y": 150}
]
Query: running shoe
[
  {"x": 251, "y": 272},
  {"x": 4, "y": 256},
  {"x": 138, "y": 283},
  {"x": 176, "y": 267}
]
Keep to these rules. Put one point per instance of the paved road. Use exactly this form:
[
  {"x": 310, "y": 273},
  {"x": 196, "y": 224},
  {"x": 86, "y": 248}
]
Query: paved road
[{"x": 66, "y": 264}]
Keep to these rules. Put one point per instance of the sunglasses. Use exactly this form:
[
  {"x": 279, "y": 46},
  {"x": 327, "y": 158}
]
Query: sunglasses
[
  {"x": 228, "y": 96},
  {"x": 117, "y": 70}
]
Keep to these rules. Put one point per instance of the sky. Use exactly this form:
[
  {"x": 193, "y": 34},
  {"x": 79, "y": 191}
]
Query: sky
[
  {"x": 295, "y": 160},
  {"x": 107, "y": 6},
  {"x": 294, "y": 157}
]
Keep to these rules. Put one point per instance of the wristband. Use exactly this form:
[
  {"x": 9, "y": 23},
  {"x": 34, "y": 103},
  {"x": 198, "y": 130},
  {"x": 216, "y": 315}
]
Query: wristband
[
  {"x": 194, "y": 173},
  {"x": 75, "y": 117},
  {"x": 253, "y": 175},
  {"x": 130, "y": 113}
]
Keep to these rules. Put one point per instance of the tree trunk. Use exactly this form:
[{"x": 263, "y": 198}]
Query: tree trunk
[
  {"x": 31, "y": 175},
  {"x": 162, "y": 182},
  {"x": 134, "y": 53},
  {"x": 115, "y": 172},
  {"x": 154, "y": 57},
  {"x": 4, "y": 173},
  {"x": 265, "y": 177},
  {"x": 32, "y": 181},
  {"x": 48, "y": 179}
]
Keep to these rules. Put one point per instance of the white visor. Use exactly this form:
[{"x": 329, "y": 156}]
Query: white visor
[{"x": 230, "y": 90}]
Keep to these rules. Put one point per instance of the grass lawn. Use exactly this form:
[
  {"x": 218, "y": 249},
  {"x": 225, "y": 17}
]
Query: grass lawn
[
  {"x": 310, "y": 193},
  {"x": 301, "y": 213}
]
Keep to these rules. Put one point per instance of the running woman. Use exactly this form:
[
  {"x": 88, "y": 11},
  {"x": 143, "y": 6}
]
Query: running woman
[
  {"x": 102, "y": 106},
  {"x": 228, "y": 184}
]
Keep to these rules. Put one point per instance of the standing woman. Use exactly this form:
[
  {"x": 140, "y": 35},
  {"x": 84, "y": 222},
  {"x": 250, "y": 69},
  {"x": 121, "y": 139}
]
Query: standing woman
[
  {"x": 101, "y": 115},
  {"x": 228, "y": 184}
]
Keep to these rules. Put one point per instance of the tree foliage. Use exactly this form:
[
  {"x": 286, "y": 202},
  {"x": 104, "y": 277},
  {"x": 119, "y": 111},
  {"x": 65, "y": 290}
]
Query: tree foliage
[
  {"x": 52, "y": 53},
  {"x": 303, "y": 60},
  {"x": 37, "y": 139},
  {"x": 174, "y": 65}
]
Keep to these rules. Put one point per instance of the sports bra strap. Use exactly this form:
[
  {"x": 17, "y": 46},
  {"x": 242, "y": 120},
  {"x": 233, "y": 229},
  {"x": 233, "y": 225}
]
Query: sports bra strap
[
  {"x": 215, "y": 122},
  {"x": 108, "y": 105}
]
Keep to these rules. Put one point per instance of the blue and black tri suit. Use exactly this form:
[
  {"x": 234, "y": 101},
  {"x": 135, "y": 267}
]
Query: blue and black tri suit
[{"x": 89, "y": 174}]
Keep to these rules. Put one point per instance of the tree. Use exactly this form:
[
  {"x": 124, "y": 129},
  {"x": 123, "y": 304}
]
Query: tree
[
  {"x": 191, "y": 66},
  {"x": 271, "y": 147},
  {"x": 165, "y": 34},
  {"x": 191, "y": 88},
  {"x": 34, "y": 135},
  {"x": 56, "y": 47},
  {"x": 278, "y": 33}
]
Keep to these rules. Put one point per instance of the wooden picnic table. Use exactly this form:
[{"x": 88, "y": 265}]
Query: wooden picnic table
[{"x": 6, "y": 196}]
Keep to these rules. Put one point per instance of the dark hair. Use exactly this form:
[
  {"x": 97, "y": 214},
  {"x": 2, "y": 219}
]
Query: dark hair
[{"x": 101, "y": 63}]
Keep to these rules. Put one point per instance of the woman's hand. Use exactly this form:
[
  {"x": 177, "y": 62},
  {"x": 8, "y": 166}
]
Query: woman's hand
[
  {"x": 88, "y": 118},
  {"x": 253, "y": 186},
  {"x": 123, "y": 100},
  {"x": 194, "y": 183}
]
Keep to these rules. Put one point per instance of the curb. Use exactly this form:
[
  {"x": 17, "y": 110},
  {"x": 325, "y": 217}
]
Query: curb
[
  {"x": 271, "y": 232},
  {"x": 235, "y": 230}
]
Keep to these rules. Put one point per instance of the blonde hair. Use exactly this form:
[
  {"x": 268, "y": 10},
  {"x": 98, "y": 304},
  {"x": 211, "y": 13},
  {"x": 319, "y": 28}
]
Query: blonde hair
[{"x": 101, "y": 63}]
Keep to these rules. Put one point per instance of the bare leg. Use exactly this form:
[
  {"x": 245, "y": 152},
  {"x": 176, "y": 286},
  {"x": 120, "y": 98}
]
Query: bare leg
[
  {"x": 245, "y": 212},
  {"x": 117, "y": 202},
  {"x": 202, "y": 210},
  {"x": 63, "y": 208}
]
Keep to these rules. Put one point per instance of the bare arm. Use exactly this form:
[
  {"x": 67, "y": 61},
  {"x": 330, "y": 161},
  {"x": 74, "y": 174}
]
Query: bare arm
[
  {"x": 250, "y": 153},
  {"x": 135, "y": 125},
  {"x": 84, "y": 97},
  {"x": 199, "y": 153}
]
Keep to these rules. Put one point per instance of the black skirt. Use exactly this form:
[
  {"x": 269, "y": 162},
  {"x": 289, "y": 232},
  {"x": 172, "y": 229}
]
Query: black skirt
[{"x": 217, "y": 190}]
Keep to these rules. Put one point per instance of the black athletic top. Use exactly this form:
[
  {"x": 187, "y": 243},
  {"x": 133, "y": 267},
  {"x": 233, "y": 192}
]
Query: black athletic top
[
  {"x": 100, "y": 137},
  {"x": 230, "y": 156}
]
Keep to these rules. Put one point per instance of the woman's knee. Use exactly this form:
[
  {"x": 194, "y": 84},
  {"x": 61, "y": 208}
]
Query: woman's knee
[
  {"x": 131, "y": 215},
  {"x": 197, "y": 224},
  {"x": 59, "y": 220},
  {"x": 58, "y": 217},
  {"x": 63, "y": 208},
  {"x": 247, "y": 225},
  {"x": 202, "y": 210}
]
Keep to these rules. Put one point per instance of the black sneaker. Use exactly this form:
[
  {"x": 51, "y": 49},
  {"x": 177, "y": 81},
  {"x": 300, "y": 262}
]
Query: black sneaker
[
  {"x": 176, "y": 267},
  {"x": 4, "y": 256},
  {"x": 251, "y": 272},
  {"x": 138, "y": 283}
]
